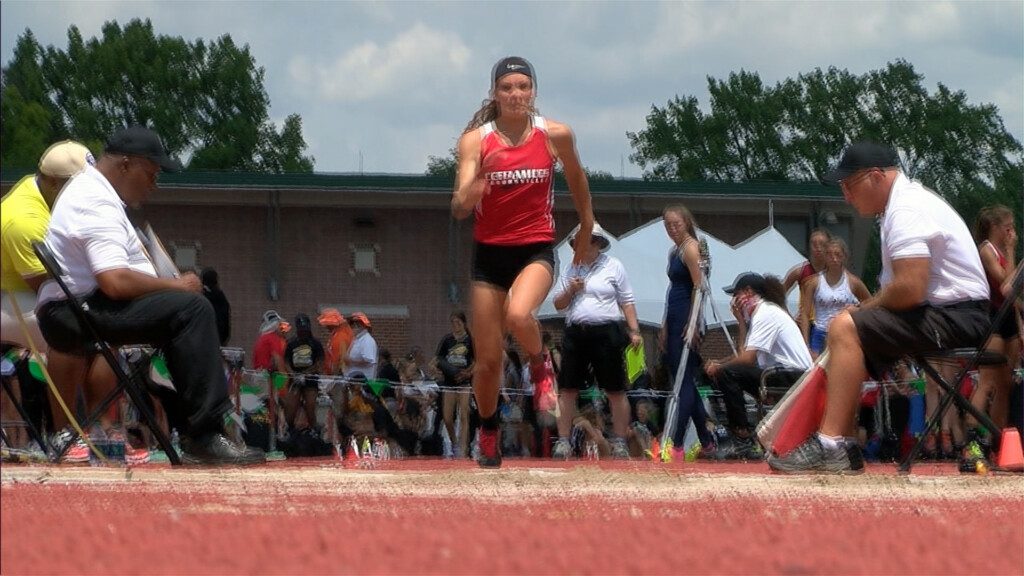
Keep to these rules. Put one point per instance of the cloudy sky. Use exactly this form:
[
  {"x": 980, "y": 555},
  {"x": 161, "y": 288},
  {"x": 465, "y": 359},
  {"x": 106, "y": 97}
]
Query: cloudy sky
[{"x": 381, "y": 86}]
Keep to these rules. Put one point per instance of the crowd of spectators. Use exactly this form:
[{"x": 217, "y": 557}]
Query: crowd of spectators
[{"x": 425, "y": 406}]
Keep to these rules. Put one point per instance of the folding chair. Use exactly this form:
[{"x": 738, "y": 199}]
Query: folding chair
[
  {"x": 775, "y": 382},
  {"x": 973, "y": 358},
  {"x": 133, "y": 385},
  {"x": 234, "y": 360}
]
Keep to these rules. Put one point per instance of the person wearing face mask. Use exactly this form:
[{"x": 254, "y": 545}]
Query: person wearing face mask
[{"x": 769, "y": 336}]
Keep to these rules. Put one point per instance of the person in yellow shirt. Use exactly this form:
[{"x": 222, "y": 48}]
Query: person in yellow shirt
[
  {"x": 25, "y": 214},
  {"x": 24, "y": 217}
]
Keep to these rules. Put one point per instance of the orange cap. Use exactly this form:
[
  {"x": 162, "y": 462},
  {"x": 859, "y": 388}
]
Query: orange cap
[
  {"x": 359, "y": 316},
  {"x": 285, "y": 327},
  {"x": 331, "y": 318}
]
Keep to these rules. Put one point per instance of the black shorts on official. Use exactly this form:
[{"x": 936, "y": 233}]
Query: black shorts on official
[
  {"x": 597, "y": 346},
  {"x": 888, "y": 336},
  {"x": 500, "y": 265}
]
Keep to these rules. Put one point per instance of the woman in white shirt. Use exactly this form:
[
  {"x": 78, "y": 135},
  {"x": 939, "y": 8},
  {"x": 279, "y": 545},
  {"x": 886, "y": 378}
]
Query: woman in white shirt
[{"x": 595, "y": 294}]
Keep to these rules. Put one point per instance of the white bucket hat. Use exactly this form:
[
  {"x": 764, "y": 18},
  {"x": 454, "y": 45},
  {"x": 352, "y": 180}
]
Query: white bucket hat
[
  {"x": 598, "y": 233},
  {"x": 271, "y": 321}
]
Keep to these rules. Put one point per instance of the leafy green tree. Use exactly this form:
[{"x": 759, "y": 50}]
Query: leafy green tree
[
  {"x": 593, "y": 175},
  {"x": 282, "y": 151},
  {"x": 27, "y": 118},
  {"x": 206, "y": 100},
  {"x": 443, "y": 165},
  {"x": 796, "y": 129}
]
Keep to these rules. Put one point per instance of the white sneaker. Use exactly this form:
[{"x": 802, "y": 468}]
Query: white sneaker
[
  {"x": 620, "y": 451},
  {"x": 562, "y": 450}
]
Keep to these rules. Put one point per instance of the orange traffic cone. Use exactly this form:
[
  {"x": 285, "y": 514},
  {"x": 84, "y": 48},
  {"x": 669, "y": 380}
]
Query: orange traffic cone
[
  {"x": 352, "y": 454},
  {"x": 655, "y": 451},
  {"x": 1010, "y": 455}
]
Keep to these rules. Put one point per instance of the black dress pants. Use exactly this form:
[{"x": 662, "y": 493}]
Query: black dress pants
[{"x": 182, "y": 324}]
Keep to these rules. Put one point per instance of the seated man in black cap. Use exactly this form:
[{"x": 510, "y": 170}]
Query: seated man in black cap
[
  {"x": 769, "y": 338},
  {"x": 933, "y": 296},
  {"x": 104, "y": 262}
]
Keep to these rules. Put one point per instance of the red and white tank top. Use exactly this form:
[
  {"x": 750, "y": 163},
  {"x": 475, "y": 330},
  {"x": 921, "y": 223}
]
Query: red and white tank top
[
  {"x": 807, "y": 271},
  {"x": 517, "y": 209}
]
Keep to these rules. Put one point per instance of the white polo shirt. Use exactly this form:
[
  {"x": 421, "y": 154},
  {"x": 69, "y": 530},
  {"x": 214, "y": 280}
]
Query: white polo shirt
[
  {"x": 777, "y": 339},
  {"x": 919, "y": 223},
  {"x": 606, "y": 289},
  {"x": 90, "y": 233}
]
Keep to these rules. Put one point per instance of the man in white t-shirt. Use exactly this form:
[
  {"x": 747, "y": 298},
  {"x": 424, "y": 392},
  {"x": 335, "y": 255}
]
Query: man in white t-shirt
[
  {"x": 934, "y": 296},
  {"x": 362, "y": 354},
  {"x": 104, "y": 262},
  {"x": 769, "y": 338}
]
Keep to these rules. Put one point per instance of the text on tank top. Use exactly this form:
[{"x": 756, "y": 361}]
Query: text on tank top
[{"x": 517, "y": 208}]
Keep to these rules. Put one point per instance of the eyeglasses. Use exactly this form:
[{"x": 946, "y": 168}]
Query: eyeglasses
[
  {"x": 148, "y": 166},
  {"x": 852, "y": 179}
]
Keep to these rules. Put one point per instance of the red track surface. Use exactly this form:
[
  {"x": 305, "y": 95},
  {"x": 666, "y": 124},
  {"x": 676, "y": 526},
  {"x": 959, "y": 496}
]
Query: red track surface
[{"x": 531, "y": 517}]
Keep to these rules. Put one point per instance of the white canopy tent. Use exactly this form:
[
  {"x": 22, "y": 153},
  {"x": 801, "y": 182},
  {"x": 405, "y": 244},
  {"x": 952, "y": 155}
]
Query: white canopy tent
[{"x": 644, "y": 253}]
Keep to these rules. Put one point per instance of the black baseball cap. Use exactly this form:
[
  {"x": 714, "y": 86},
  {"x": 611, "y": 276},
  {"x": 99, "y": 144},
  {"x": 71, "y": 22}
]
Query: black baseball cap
[
  {"x": 751, "y": 280},
  {"x": 144, "y": 143},
  {"x": 302, "y": 322},
  {"x": 860, "y": 156},
  {"x": 512, "y": 65}
]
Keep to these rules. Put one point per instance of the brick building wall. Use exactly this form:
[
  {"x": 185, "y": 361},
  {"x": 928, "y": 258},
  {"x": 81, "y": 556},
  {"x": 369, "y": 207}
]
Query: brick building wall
[{"x": 407, "y": 300}]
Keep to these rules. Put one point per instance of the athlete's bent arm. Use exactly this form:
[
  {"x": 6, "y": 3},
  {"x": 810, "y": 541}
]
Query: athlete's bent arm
[{"x": 565, "y": 147}]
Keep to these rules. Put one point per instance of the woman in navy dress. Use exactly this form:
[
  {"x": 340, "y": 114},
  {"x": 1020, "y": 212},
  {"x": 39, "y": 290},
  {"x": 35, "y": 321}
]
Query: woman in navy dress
[{"x": 683, "y": 273}]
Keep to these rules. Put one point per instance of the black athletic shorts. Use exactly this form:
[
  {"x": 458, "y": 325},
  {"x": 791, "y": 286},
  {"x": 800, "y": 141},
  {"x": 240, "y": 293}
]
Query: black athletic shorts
[
  {"x": 1008, "y": 328},
  {"x": 600, "y": 347},
  {"x": 888, "y": 336},
  {"x": 500, "y": 265}
]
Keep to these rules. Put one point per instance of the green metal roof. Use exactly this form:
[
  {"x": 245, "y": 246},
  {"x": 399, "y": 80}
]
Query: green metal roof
[{"x": 424, "y": 183}]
